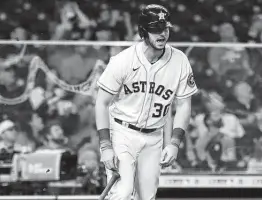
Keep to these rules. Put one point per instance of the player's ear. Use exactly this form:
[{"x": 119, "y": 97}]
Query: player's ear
[{"x": 142, "y": 32}]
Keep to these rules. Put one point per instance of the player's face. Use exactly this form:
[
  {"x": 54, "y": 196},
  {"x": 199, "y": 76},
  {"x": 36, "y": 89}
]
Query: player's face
[{"x": 158, "y": 40}]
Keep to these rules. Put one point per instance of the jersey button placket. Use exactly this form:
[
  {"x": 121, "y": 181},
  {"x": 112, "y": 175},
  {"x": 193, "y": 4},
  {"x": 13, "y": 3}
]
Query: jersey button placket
[
  {"x": 149, "y": 103},
  {"x": 147, "y": 107},
  {"x": 149, "y": 99},
  {"x": 142, "y": 118}
]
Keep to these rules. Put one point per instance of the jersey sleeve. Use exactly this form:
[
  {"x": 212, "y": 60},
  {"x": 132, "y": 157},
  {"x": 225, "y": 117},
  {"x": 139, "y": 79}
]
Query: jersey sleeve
[
  {"x": 187, "y": 86},
  {"x": 112, "y": 77}
]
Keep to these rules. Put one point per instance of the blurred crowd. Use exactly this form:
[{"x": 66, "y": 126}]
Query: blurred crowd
[
  {"x": 225, "y": 133},
  {"x": 117, "y": 19},
  {"x": 50, "y": 117}
]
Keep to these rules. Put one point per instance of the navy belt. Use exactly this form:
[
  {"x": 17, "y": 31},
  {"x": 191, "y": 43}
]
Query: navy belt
[{"x": 143, "y": 130}]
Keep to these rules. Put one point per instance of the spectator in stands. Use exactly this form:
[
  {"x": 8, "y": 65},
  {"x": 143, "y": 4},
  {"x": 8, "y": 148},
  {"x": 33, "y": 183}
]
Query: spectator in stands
[
  {"x": 259, "y": 122},
  {"x": 74, "y": 23},
  {"x": 251, "y": 141},
  {"x": 254, "y": 165},
  {"x": 88, "y": 160},
  {"x": 255, "y": 34},
  {"x": 19, "y": 33},
  {"x": 54, "y": 136},
  {"x": 86, "y": 126},
  {"x": 113, "y": 23},
  {"x": 68, "y": 115},
  {"x": 36, "y": 125},
  {"x": 12, "y": 87},
  {"x": 215, "y": 122},
  {"x": 106, "y": 23},
  {"x": 190, "y": 141},
  {"x": 26, "y": 142},
  {"x": 213, "y": 162},
  {"x": 245, "y": 105},
  {"x": 8, "y": 135},
  {"x": 8, "y": 147},
  {"x": 105, "y": 33},
  {"x": 74, "y": 64},
  {"x": 229, "y": 63},
  {"x": 129, "y": 27},
  {"x": 35, "y": 16},
  {"x": 9, "y": 85},
  {"x": 255, "y": 29}
]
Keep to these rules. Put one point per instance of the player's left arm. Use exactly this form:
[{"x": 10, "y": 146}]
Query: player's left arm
[
  {"x": 174, "y": 130},
  {"x": 185, "y": 90},
  {"x": 181, "y": 119},
  {"x": 168, "y": 128}
]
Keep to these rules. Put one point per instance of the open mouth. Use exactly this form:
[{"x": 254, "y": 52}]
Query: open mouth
[{"x": 160, "y": 40}]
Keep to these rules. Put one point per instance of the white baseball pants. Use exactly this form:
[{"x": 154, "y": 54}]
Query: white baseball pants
[{"x": 139, "y": 163}]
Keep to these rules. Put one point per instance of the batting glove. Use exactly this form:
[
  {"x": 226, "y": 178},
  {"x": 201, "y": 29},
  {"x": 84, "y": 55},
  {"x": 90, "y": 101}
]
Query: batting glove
[
  {"x": 169, "y": 155},
  {"x": 109, "y": 158}
]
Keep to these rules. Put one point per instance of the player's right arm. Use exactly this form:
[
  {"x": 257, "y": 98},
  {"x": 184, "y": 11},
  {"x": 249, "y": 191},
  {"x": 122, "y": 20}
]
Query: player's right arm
[
  {"x": 102, "y": 109},
  {"x": 109, "y": 84},
  {"x": 102, "y": 122}
]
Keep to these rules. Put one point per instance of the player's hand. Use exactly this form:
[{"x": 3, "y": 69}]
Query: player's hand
[
  {"x": 169, "y": 155},
  {"x": 109, "y": 159}
]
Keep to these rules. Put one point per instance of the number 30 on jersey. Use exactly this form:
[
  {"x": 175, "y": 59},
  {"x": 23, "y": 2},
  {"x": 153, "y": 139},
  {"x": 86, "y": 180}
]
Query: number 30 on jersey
[{"x": 160, "y": 110}]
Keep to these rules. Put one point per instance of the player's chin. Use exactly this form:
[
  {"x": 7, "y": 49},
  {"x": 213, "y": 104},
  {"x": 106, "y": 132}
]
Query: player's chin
[{"x": 160, "y": 45}]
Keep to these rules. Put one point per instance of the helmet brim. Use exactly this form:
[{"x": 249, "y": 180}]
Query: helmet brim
[{"x": 158, "y": 27}]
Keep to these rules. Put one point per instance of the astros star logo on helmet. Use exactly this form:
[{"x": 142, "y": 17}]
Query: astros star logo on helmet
[{"x": 161, "y": 15}]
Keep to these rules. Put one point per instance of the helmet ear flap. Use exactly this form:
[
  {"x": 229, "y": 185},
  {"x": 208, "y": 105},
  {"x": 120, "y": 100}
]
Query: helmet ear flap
[{"x": 142, "y": 32}]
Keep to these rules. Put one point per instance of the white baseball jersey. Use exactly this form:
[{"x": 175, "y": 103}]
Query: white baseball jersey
[{"x": 145, "y": 91}]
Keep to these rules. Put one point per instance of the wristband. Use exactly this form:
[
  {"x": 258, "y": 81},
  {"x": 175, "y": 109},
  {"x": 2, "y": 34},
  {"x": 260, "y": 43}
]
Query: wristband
[
  {"x": 104, "y": 134},
  {"x": 177, "y": 136},
  {"x": 104, "y": 139},
  {"x": 178, "y": 133}
]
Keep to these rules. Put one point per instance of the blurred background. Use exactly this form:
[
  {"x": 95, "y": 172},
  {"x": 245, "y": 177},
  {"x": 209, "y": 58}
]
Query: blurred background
[
  {"x": 41, "y": 114},
  {"x": 197, "y": 20}
]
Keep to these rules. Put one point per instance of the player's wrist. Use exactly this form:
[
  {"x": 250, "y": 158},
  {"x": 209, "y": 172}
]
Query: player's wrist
[
  {"x": 104, "y": 134},
  {"x": 177, "y": 136},
  {"x": 104, "y": 139},
  {"x": 105, "y": 145},
  {"x": 175, "y": 144}
]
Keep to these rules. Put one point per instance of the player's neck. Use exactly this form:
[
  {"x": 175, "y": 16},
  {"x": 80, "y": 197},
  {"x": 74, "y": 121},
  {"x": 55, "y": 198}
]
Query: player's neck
[{"x": 151, "y": 54}]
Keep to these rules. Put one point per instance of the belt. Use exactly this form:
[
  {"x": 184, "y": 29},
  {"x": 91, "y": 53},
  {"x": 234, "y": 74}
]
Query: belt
[{"x": 143, "y": 130}]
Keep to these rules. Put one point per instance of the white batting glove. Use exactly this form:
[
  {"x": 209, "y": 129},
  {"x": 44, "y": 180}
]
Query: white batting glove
[
  {"x": 169, "y": 155},
  {"x": 109, "y": 159}
]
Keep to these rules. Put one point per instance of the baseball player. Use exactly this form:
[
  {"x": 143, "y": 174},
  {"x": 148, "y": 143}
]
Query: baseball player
[{"x": 133, "y": 103}]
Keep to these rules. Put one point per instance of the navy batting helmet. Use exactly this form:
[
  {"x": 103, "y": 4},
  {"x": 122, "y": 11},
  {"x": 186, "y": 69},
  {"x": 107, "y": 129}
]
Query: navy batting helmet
[{"x": 153, "y": 19}]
